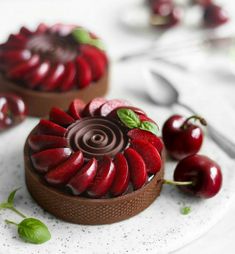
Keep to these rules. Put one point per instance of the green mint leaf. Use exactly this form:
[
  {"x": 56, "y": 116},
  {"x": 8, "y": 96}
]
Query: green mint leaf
[
  {"x": 185, "y": 210},
  {"x": 129, "y": 118},
  {"x": 34, "y": 231},
  {"x": 149, "y": 126},
  {"x": 81, "y": 35},
  {"x": 11, "y": 197},
  {"x": 97, "y": 43}
]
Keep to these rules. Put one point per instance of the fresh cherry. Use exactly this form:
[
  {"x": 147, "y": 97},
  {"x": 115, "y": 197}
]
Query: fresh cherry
[
  {"x": 164, "y": 14},
  {"x": 12, "y": 110},
  {"x": 198, "y": 175},
  {"x": 214, "y": 16},
  {"x": 181, "y": 137},
  {"x": 202, "y": 2}
]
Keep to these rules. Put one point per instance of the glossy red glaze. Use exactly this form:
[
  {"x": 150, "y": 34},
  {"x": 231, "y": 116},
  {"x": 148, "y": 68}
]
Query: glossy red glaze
[
  {"x": 47, "y": 159},
  {"x": 137, "y": 168},
  {"x": 122, "y": 177},
  {"x": 61, "y": 174},
  {"x": 149, "y": 153},
  {"x": 103, "y": 179},
  {"x": 83, "y": 179},
  {"x": 148, "y": 136}
]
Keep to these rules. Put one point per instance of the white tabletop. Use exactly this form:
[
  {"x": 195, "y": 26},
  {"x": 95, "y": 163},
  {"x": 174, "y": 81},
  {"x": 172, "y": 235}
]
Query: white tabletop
[{"x": 103, "y": 16}]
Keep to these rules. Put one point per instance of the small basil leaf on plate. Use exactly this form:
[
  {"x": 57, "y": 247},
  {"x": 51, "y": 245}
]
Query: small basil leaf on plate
[{"x": 33, "y": 230}]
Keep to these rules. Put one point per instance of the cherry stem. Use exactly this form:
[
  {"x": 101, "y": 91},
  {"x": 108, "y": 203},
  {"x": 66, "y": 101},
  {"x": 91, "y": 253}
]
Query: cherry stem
[
  {"x": 171, "y": 182},
  {"x": 195, "y": 117},
  {"x": 18, "y": 212},
  {"x": 158, "y": 20},
  {"x": 11, "y": 222}
]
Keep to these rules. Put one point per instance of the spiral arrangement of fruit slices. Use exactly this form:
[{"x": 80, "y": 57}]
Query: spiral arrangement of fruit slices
[
  {"x": 52, "y": 156},
  {"x": 32, "y": 68}
]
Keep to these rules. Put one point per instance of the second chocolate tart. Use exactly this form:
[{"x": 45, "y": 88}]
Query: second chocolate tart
[{"x": 53, "y": 65}]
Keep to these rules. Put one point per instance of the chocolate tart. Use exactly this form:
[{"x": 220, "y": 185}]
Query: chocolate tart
[
  {"x": 39, "y": 103},
  {"x": 53, "y": 65},
  {"x": 97, "y": 135}
]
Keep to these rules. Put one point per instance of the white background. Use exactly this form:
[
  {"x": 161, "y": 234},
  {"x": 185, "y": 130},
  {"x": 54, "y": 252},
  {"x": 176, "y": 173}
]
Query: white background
[{"x": 103, "y": 16}]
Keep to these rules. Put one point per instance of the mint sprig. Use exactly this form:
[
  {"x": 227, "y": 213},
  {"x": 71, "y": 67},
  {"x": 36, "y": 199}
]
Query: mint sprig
[
  {"x": 29, "y": 229},
  {"x": 82, "y": 36},
  {"x": 132, "y": 120},
  {"x": 149, "y": 126},
  {"x": 129, "y": 118}
]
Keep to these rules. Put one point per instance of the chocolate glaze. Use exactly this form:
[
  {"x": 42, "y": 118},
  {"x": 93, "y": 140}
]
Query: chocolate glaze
[
  {"x": 54, "y": 46},
  {"x": 97, "y": 137}
]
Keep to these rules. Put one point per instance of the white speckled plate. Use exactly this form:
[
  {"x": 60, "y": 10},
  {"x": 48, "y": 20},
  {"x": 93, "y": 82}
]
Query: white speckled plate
[{"x": 160, "y": 228}]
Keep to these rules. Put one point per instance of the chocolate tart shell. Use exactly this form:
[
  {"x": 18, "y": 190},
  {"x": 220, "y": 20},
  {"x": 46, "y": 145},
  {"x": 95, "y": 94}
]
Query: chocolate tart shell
[
  {"x": 39, "y": 103},
  {"x": 88, "y": 211}
]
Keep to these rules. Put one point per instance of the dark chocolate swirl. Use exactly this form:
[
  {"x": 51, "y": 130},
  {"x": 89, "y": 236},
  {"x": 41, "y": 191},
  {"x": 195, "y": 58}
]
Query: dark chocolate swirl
[{"x": 96, "y": 137}]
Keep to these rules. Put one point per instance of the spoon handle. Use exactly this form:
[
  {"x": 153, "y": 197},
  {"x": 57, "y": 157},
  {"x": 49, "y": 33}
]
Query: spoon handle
[{"x": 223, "y": 142}]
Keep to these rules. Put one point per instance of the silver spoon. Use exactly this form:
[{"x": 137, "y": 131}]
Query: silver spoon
[{"x": 168, "y": 96}]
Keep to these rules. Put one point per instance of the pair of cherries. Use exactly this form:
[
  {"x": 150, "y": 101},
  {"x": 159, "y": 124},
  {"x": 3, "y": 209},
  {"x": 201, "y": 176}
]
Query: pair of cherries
[
  {"x": 166, "y": 14},
  {"x": 195, "y": 174}
]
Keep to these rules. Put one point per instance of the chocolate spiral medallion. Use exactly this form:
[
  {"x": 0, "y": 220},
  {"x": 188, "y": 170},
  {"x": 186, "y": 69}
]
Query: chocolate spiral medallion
[
  {"x": 53, "y": 46},
  {"x": 96, "y": 137}
]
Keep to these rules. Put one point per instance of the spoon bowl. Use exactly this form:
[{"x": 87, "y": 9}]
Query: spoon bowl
[{"x": 162, "y": 92}]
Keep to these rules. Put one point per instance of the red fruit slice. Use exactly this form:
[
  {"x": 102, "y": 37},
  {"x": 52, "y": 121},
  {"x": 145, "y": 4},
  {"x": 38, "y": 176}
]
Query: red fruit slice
[
  {"x": 103, "y": 179},
  {"x": 50, "y": 128},
  {"x": 89, "y": 48},
  {"x": 12, "y": 45},
  {"x": 60, "y": 117},
  {"x": 148, "y": 136},
  {"x": 83, "y": 179},
  {"x": 92, "y": 107},
  {"x": 122, "y": 177},
  {"x": 145, "y": 118},
  {"x": 18, "y": 38},
  {"x": 94, "y": 60},
  {"x": 137, "y": 168},
  {"x": 69, "y": 78},
  {"x": 138, "y": 111},
  {"x": 42, "y": 142},
  {"x": 41, "y": 28},
  {"x": 15, "y": 56},
  {"x": 38, "y": 74},
  {"x": 84, "y": 76},
  {"x": 75, "y": 108},
  {"x": 47, "y": 159},
  {"x": 149, "y": 154},
  {"x": 25, "y": 31},
  {"x": 54, "y": 77},
  {"x": 21, "y": 69},
  {"x": 65, "y": 171},
  {"x": 110, "y": 105}
]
